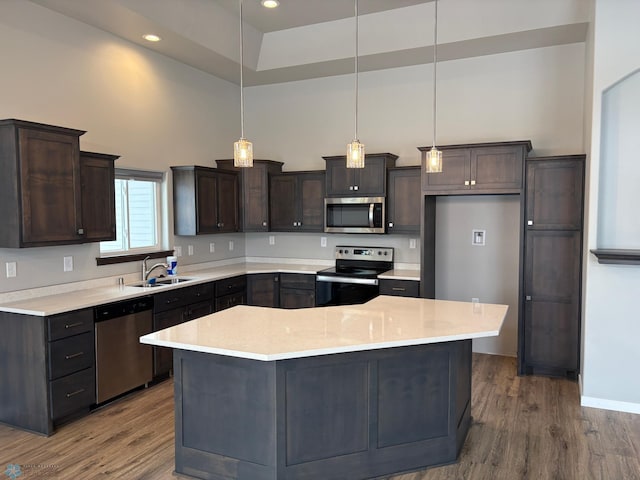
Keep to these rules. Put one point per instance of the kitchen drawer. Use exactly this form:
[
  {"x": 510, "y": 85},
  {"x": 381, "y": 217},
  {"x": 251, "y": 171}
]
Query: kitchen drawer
[
  {"x": 71, "y": 354},
  {"x": 230, "y": 300},
  {"x": 400, "y": 288},
  {"x": 301, "y": 281},
  {"x": 72, "y": 323},
  {"x": 198, "y": 310},
  {"x": 231, "y": 285},
  {"x": 72, "y": 393},
  {"x": 181, "y": 297},
  {"x": 297, "y": 298}
]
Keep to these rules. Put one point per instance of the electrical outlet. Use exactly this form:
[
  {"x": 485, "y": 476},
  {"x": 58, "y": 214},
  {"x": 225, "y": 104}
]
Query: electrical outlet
[
  {"x": 212, "y": 247},
  {"x": 272, "y": 240},
  {"x": 230, "y": 245},
  {"x": 412, "y": 243},
  {"x": 178, "y": 250},
  {"x": 475, "y": 300},
  {"x": 323, "y": 241},
  {"x": 189, "y": 250},
  {"x": 11, "y": 269},
  {"x": 68, "y": 264}
]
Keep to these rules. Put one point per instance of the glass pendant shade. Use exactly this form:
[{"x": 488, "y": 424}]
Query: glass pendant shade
[
  {"x": 434, "y": 161},
  {"x": 355, "y": 154},
  {"x": 243, "y": 153}
]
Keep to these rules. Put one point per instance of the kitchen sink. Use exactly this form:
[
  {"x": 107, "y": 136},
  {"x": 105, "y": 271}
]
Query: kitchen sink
[{"x": 160, "y": 282}]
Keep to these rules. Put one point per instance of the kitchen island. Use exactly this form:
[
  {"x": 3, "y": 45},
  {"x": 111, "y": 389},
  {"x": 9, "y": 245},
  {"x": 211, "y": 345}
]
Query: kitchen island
[{"x": 348, "y": 392}]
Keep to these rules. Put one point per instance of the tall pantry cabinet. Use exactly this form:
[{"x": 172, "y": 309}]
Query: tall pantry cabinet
[{"x": 549, "y": 330}]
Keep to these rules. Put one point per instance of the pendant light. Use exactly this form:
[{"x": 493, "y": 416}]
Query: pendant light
[
  {"x": 243, "y": 148},
  {"x": 355, "y": 149},
  {"x": 434, "y": 156}
]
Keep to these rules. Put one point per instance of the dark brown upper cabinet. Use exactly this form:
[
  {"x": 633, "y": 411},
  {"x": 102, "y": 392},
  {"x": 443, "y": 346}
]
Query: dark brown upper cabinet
[
  {"x": 403, "y": 202},
  {"x": 486, "y": 168},
  {"x": 205, "y": 200},
  {"x": 370, "y": 181},
  {"x": 296, "y": 201},
  {"x": 40, "y": 185},
  {"x": 254, "y": 192},
  {"x": 98, "y": 196}
]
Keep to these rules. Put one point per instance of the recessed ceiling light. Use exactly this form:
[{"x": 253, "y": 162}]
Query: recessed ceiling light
[
  {"x": 150, "y": 37},
  {"x": 270, "y": 3}
]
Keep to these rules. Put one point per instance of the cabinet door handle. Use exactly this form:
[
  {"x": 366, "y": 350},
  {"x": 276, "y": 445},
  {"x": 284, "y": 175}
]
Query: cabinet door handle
[
  {"x": 398, "y": 289},
  {"x": 171, "y": 300},
  {"x": 466, "y": 182},
  {"x": 390, "y": 224},
  {"x": 530, "y": 222},
  {"x": 69, "y": 395},
  {"x": 81, "y": 231},
  {"x": 73, "y": 325},
  {"x": 295, "y": 224},
  {"x": 473, "y": 182},
  {"x": 355, "y": 187},
  {"x": 73, "y": 355},
  {"x": 528, "y": 298},
  {"x": 264, "y": 224},
  {"x": 350, "y": 187}
]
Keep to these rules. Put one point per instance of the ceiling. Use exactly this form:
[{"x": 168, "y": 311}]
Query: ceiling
[{"x": 304, "y": 39}]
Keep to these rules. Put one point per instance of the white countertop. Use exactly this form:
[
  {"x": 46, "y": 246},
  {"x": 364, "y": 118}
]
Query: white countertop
[
  {"x": 268, "y": 334},
  {"x": 77, "y": 299},
  {"x": 399, "y": 274}
]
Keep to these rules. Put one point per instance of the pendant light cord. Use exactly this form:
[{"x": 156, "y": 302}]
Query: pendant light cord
[
  {"x": 356, "y": 66},
  {"x": 241, "y": 75},
  {"x": 435, "y": 60}
]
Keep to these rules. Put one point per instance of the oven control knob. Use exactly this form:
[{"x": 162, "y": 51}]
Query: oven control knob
[{"x": 386, "y": 253}]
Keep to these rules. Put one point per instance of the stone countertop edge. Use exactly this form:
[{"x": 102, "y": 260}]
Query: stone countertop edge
[{"x": 268, "y": 334}]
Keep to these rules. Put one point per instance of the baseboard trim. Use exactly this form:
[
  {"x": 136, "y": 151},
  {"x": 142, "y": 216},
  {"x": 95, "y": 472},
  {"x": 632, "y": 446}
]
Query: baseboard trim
[{"x": 605, "y": 404}]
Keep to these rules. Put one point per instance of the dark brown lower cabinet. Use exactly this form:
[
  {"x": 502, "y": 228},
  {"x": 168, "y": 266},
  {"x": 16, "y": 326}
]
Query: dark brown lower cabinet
[
  {"x": 297, "y": 290},
  {"x": 549, "y": 331},
  {"x": 231, "y": 292}
]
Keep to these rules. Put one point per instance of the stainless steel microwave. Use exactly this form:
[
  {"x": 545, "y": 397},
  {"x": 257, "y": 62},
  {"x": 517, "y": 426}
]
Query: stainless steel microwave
[{"x": 354, "y": 215}]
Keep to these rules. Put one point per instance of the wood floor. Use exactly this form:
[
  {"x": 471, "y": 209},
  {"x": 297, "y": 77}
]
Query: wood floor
[{"x": 523, "y": 428}]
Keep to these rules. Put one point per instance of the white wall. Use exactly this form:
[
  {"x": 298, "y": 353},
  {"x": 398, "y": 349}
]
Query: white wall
[
  {"x": 534, "y": 94},
  {"x": 611, "y": 321},
  {"x": 151, "y": 110}
]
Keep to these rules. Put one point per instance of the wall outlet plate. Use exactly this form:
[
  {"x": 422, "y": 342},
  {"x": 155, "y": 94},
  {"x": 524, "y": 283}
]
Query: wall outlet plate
[
  {"x": 323, "y": 241},
  {"x": 230, "y": 245},
  {"x": 68, "y": 264},
  {"x": 212, "y": 247},
  {"x": 412, "y": 243},
  {"x": 272, "y": 240},
  {"x": 12, "y": 269},
  {"x": 189, "y": 250},
  {"x": 178, "y": 250}
]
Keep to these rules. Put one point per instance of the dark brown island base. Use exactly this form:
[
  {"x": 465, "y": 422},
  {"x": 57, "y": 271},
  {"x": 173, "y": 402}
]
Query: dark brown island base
[{"x": 359, "y": 413}]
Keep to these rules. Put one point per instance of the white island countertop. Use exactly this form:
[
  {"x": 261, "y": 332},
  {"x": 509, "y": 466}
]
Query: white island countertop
[{"x": 268, "y": 334}]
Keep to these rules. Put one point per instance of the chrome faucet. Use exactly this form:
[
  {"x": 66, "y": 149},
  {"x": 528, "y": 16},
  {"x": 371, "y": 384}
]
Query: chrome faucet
[{"x": 146, "y": 272}]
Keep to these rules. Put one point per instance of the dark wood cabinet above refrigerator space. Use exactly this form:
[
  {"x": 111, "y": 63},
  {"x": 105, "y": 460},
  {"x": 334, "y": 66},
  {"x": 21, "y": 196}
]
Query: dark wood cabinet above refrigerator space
[{"x": 477, "y": 168}]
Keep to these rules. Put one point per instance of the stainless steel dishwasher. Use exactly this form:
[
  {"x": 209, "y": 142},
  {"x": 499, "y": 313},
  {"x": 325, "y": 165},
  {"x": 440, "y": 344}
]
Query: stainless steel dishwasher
[{"x": 122, "y": 362}]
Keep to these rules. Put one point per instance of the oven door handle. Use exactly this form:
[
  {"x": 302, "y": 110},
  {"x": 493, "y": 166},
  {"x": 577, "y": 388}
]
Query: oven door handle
[
  {"x": 359, "y": 281},
  {"x": 371, "y": 205}
]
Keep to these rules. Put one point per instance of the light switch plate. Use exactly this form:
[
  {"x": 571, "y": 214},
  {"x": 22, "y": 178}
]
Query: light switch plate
[
  {"x": 11, "y": 269},
  {"x": 68, "y": 264}
]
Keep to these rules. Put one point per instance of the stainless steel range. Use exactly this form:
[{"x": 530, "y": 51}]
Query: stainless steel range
[{"x": 354, "y": 279}]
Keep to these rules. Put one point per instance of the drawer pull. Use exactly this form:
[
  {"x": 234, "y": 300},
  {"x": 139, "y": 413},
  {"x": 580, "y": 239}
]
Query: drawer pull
[
  {"x": 69, "y": 395},
  {"x": 398, "y": 289},
  {"x": 72, "y": 325},
  {"x": 73, "y": 355}
]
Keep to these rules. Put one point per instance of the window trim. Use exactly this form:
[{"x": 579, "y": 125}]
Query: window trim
[{"x": 138, "y": 255}]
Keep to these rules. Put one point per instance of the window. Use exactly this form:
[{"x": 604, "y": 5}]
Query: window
[{"x": 138, "y": 213}]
